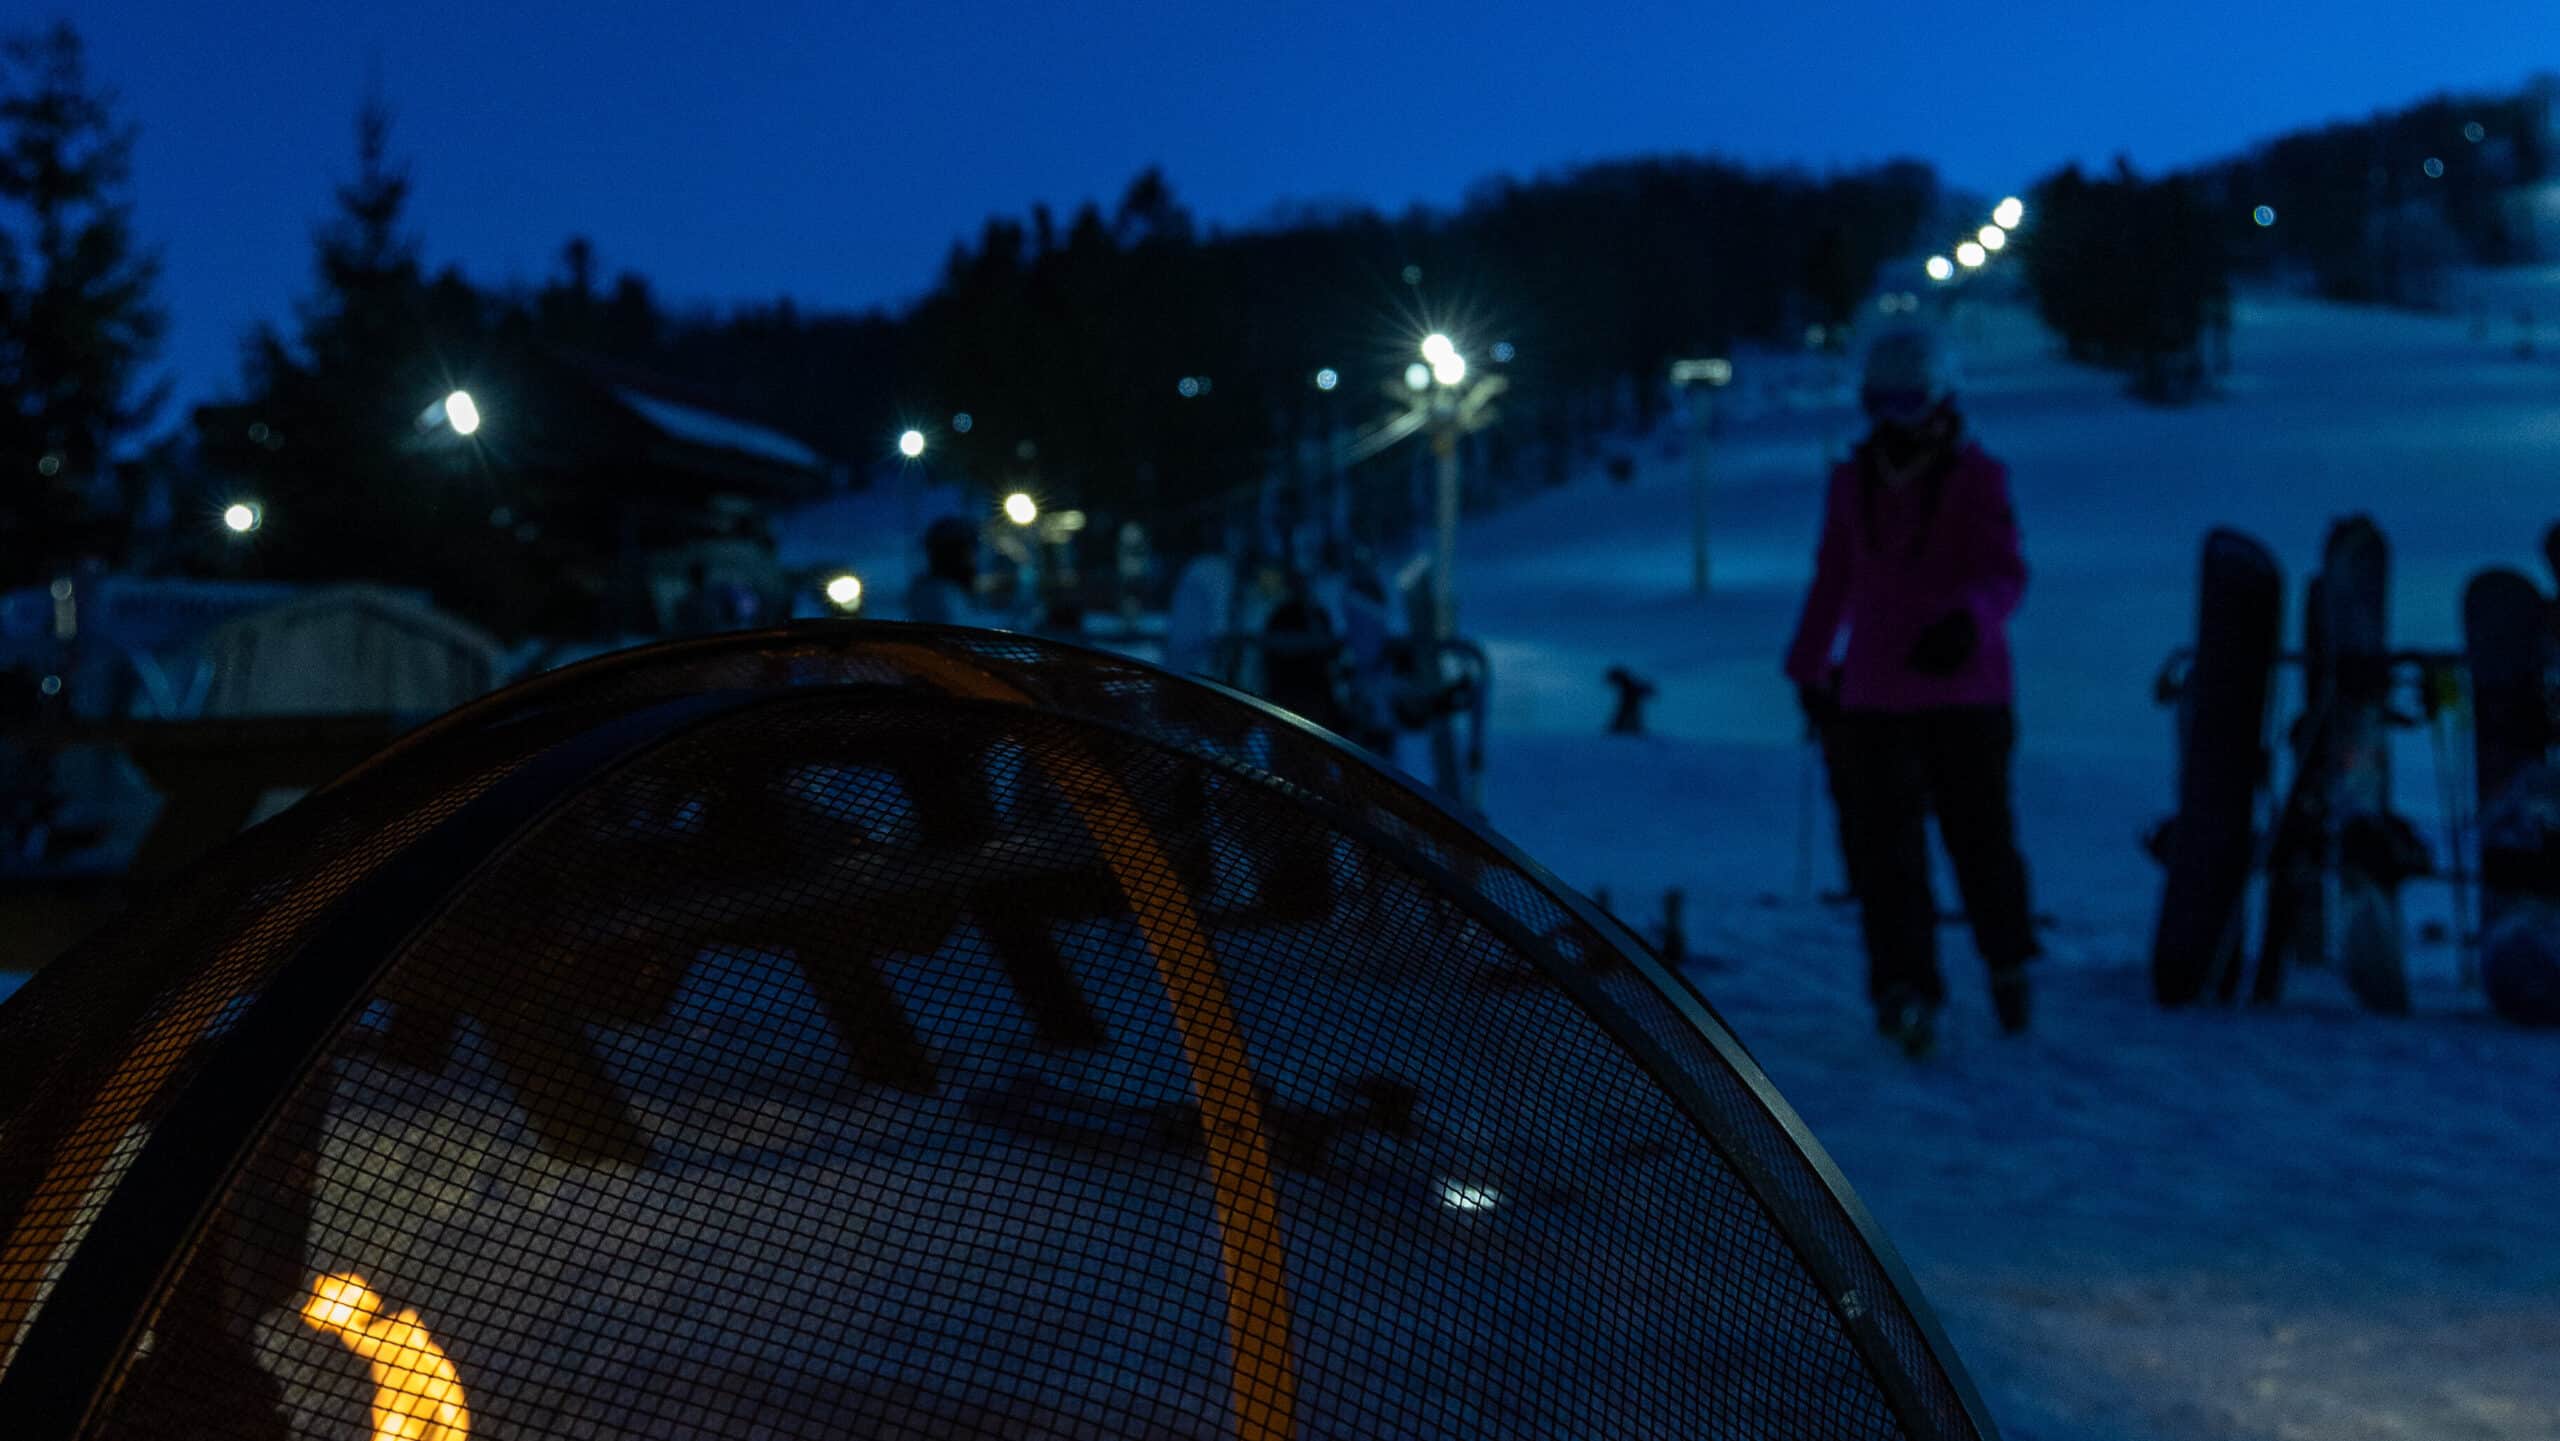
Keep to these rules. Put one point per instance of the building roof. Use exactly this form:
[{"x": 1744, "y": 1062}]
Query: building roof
[{"x": 696, "y": 426}]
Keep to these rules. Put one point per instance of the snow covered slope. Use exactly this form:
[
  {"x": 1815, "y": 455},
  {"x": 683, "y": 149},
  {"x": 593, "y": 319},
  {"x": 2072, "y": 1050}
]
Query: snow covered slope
[
  {"x": 2452, "y": 444},
  {"x": 2305, "y": 1223}
]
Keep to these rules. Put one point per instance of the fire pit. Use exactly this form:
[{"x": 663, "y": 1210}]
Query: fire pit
[{"x": 868, "y": 1030}]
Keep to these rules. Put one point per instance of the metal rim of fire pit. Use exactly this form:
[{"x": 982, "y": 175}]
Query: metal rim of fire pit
[{"x": 68, "y": 1356}]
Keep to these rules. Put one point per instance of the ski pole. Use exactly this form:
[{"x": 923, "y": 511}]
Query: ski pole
[
  {"x": 1804, "y": 819},
  {"x": 2231, "y": 949},
  {"x": 2448, "y": 714}
]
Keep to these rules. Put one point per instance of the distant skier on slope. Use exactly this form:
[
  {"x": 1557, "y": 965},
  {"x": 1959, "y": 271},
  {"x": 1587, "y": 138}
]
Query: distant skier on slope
[{"x": 1919, "y": 558}]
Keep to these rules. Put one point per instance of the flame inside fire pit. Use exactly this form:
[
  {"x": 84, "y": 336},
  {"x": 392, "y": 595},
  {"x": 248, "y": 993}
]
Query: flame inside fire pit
[{"x": 417, "y": 1395}]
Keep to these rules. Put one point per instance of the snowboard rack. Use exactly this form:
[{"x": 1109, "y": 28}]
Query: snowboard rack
[{"x": 2169, "y": 685}]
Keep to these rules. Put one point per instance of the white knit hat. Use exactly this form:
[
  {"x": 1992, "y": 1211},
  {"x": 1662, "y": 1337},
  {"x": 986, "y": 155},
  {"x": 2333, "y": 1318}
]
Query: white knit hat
[{"x": 1908, "y": 371}]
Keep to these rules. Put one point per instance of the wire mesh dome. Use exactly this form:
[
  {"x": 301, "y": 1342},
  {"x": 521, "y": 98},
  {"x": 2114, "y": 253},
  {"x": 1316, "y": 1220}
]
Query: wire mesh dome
[{"x": 868, "y": 1030}]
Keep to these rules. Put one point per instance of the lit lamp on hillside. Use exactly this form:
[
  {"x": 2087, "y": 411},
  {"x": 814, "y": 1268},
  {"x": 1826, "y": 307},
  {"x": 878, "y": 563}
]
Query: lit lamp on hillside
[
  {"x": 242, "y": 517},
  {"x": 454, "y": 413},
  {"x": 844, "y": 592},
  {"x": 1021, "y": 509},
  {"x": 1970, "y": 255},
  {"x": 462, "y": 413},
  {"x": 1439, "y": 352},
  {"x": 911, "y": 444}
]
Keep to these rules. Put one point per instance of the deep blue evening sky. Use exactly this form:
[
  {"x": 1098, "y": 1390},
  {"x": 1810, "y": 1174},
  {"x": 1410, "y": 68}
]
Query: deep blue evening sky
[{"x": 832, "y": 151}]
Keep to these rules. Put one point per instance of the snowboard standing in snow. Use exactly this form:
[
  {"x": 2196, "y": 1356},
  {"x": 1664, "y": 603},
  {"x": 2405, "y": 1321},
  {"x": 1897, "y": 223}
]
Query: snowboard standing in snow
[
  {"x": 2365, "y": 851},
  {"x": 2507, "y": 639},
  {"x": 2520, "y": 894},
  {"x": 2222, "y": 762}
]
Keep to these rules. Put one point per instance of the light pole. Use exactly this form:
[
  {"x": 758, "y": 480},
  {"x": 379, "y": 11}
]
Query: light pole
[
  {"x": 1454, "y": 409},
  {"x": 1437, "y": 395},
  {"x": 1337, "y": 493},
  {"x": 1447, "y": 371},
  {"x": 1699, "y": 380}
]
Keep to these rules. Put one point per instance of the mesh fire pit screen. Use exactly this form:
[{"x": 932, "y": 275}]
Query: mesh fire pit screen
[{"x": 864, "y": 1030}]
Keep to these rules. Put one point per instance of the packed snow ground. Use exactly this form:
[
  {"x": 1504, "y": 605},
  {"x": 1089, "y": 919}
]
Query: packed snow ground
[{"x": 2308, "y": 1222}]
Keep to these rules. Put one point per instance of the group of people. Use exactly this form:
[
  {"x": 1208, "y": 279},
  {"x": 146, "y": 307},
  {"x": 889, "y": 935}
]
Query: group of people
[
  {"x": 947, "y": 590},
  {"x": 1320, "y": 641}
]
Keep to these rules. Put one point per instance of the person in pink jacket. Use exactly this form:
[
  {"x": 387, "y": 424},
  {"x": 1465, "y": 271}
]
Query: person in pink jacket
[{"x": 1920, "y": 563}]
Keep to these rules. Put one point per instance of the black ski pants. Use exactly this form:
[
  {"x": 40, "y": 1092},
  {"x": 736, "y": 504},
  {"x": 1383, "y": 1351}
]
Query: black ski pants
[{"x": 1890, "y": 771}]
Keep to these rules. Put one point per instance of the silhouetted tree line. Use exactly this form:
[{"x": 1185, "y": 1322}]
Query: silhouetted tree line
[
  {"x": 2136, "y": 273},
  {"x": 1127, "y": 360},
  {"x": 2378, "y": 209},
  {"x": 1066, "y": 340}
]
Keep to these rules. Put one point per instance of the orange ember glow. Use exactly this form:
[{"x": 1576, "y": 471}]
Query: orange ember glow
[{"x": 417, "y": 1395}]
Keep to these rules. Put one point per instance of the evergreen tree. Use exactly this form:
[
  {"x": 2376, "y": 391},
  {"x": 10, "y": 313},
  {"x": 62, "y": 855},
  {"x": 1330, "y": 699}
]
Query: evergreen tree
[
  {"x": 2130, "y": 273},
  {"x": 78, "y": 320},
  {"x": 328, "y": 435}
]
